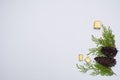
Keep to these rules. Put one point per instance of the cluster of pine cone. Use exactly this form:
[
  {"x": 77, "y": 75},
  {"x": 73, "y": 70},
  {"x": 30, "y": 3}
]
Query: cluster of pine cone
[{"x": 108, "y": 60}]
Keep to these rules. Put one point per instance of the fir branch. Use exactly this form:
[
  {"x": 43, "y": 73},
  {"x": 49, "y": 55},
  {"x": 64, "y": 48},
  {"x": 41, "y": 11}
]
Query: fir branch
[
  {"x": 97, "y": 69},
  {"x": 104, "y": 71},
  {"x": 107, "y": 38},
  {"x": 82, "y": 68},
  {"x": 87, "y": 67},
  {"x": 96, "y": 51}
]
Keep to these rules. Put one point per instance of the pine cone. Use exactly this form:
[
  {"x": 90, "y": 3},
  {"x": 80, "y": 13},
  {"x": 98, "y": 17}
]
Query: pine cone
[
  {"x": 109, "y": 51},
  {"x": 106, "y": 61}
]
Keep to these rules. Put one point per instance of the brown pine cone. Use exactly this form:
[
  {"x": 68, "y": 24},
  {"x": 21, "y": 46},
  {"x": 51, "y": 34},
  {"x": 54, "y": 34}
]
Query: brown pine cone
[
  {"x": 109, "y": 51},
  {"x": 106, "y": 61}
]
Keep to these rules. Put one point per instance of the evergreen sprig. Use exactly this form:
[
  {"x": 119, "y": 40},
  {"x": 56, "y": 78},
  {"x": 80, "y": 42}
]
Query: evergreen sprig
[
  {"x": 88, "y": 66},
  {"x": 107, "y": 39},
  {"x": 97, "y": 69}
]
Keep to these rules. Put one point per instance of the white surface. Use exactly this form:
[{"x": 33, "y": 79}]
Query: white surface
[{"x": 41, "y": 39}]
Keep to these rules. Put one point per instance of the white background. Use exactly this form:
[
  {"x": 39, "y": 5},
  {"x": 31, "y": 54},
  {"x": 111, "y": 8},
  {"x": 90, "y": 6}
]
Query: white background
[{"x": 41, "y": 39}]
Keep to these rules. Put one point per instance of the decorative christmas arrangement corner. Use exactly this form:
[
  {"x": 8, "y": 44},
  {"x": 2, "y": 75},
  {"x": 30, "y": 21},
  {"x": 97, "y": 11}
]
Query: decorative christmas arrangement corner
[{"x": 104, "y": 53}]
